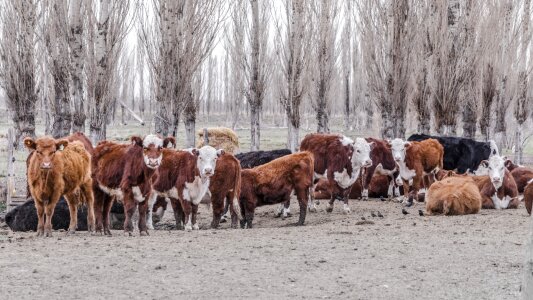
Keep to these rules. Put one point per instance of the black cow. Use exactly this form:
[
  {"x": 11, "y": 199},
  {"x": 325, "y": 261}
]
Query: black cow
[
  {"x": 461, "y": 154},
  {"x": 253, "y": 159},
  {"x": 24, "y": 217}
]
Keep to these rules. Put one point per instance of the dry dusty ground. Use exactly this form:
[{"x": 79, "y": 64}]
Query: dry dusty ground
[{"x": 398, "y": 257}]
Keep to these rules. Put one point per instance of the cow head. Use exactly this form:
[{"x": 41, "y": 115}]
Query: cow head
[
  {"x": 152, "y": 150},
  {"x": 207, "y": 160},
  {"x": 361, "y": 153},
  {"x": 495, "y": 169},
  {"x": 398, "y": 148},
  {"x": 44, "y": 150}
]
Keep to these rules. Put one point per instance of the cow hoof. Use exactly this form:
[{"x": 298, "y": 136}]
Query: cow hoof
[
  {"x": 39, "y": 234},
  {"x": 48, "y": 234},
  {"x": 150, "y": 226},
  {"x": 108, "y": 233},
  {"x": 224, "y": 219},
  {"x": 347, "y": 211},
  {"x": 409, "y": 204},
  {"x": 128, "y": 233},
  {"x": 144, "y": 233},
  {"x": 188, "y": 227},
  {"x": 195, "y": 227},
  {"x": 312, "y": 209},
  {"x": 329, "y": 208},
  {"x": 71, "y": 232}
]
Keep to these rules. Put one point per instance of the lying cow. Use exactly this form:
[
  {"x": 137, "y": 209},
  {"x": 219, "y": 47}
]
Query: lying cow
[
  {"x": 274, "y": 183},
  {"x": 453, "y": 196},
  {"x": 498, "y": 188},
  {"x": 253, "y": 159},
  {"x": 522, "y": 175},
  {"x": 378, "y": 188},
  {"x": 418, "y": 162},
  {"x": 528, "y": 196},
  {"x": 339, "y": 159},
  {"x": 124, "y": 172},
  {"x": 184, "y": 177},
  {"x": 59, "y": 168},
  {"x": 461, "y": 154},
  {"x": 382, "y": 164}
]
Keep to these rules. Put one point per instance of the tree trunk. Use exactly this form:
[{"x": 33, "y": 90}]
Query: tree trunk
[
  {"x": 322, "y": 116},
  {"x": 62, "y": 118},
  {"x": 161, "y": 119},
  {"x": 24, "y": 121},
  {"x": 519, "y": 149},
  {"x": 387, "y": 126},
  {"x": 255, "y": 129},
  {"x": 77, "y": 59},
  {"x": 469, "y": 121},
  {"x": 488, "y": 92},
  {"x": 190, "y": 124},
  {"x": 293, "y": 138},
  {"x": 500, "y": 126},
  {"x": 346, "y": 102}
]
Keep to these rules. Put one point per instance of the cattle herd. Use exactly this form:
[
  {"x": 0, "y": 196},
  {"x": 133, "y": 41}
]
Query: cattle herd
[{"x": 452, "y": 175}]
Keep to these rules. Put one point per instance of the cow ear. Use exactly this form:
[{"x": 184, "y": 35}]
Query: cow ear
[
  {"x": 169, "y": 140},
  {"x": 220, "y": 152},
  {"x": 508, "y": 163},
  {"x": 195, "y": 151},
  {"x": 61, "y": 144},
  {"x": 505, "y": 158},
  {"x": 484, "y": 163},
  {"x": 407, "y": 144},
  {"x": 371, "y": 144},
  {"x": 136, "y": 140},
  {"x": 30, "y": 143}
]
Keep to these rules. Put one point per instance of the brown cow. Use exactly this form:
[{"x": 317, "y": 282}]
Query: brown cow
[
  {"x": 416, "y": 160},
  {"x": 522, "y": 175},
  {"x": 274, "y": 183},
  {"x": 378, "y": 188},
  {"x": 453, "y": 196},
  {"x": 124, "y": 171},
  {"x": 184, "y": 177},
  {"x": 382, "y": 164},
  {"x": 338, "y": 158},
  {"x": 498, "y": 188},
  {"x": 528, "y": 196},
  {"x": 510, "y": 165},
  {"x": 58, "y": 168}
]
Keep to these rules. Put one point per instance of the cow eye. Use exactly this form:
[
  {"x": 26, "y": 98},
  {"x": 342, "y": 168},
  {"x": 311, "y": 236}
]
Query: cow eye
[
  {"x": 358, "y": 151},
  {"x": 39, "y": 152}
]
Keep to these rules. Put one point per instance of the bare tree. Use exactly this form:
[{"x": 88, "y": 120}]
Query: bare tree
[
  {"x": 293, "y": 39},
  {"x": 17, "y": 63},
  {"x": 77, "y": 16},
  {"x": 325, "y": 57}
]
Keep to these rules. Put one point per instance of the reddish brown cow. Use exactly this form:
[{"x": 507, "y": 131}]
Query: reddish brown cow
[
  {"x": 184, "y": 177},
  {"x": 528, "y": 196},
  {"x": 498, "y": 188},
  {"x": 416, "y": 160},
  {"x": 522, "y": 175},
  {"x": 510, "y": 165},
  {"x": 382, "y": 164},
  {"x": 338, "y": 158},
  {"x": 453, "y": 196},
  {"x": 124, "y": 171},
  {"x": 274, "y": 182},
  {"x": 58, "y": 168}
]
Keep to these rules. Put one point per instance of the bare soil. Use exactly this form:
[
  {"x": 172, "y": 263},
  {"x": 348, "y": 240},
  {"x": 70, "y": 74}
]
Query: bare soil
[{"x": 333, "y": 256}]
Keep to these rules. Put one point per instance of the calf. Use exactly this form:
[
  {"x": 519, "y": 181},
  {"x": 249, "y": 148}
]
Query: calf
[
  {"x": 58, "y": 168},
  {"x": 415, "y": 161},
  {"x": 528, "y": 196},
  {"x": 453, "y": 196},
  {"x": 274, "y": 182},
  {"x": 253, "y": 159},
  {"x": 339, "y": 159},
  {"x": 521, "y": 176},
  {"x": 184, "y": 177},
  {"x": 461, "y": 154},
  {"x": 382, "y": 164},
  {"x": 498, "y": 188},
  {"x": 124, "y": 172},
  {"x": 510, "y": 165}
]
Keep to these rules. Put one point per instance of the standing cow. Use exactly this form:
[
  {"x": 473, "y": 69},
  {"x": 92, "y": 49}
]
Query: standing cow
[
  {"x": 339, "y": 159},
  {"x": 382, "y": 164},
  {"x": 124, "y": 172},
  {"x": 58, "y": 168},
  {"x": 418, "y": 162},
  {"x": 184, "y": 177}
]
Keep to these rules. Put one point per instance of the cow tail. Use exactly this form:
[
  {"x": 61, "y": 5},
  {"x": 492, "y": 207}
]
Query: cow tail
[{"x": 237, "y": 194}]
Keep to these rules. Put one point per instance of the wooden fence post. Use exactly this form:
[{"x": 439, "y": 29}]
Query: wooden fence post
[{"x": 10, "y": 185}]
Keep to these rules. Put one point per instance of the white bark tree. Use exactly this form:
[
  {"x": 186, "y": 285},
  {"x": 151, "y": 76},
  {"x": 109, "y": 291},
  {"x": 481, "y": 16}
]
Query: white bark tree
[{"x": 77, "y": 21}]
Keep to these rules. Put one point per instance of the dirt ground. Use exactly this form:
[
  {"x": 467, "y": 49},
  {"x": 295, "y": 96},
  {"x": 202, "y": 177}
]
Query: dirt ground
[{"x": 333, "y": 256}]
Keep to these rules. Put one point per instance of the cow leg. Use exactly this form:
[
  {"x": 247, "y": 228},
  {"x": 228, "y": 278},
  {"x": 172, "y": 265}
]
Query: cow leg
[
  {"x": 217, "y": 204},
  {"x": 108, "y": 203},
  {"x": 194, "y": 216},
  {"x": 187, "y": 209},
  {"x": 250, "y": 211},
  {"x": 311, "y": 205},
  {"x": 129, "y": 210},
  {"x": 346, "y": 207},
  {"x": 151, "y": 201},
  {"x": 143, "y": 211},
  {"x": 73, "y": 210},
  {"x": 303, "y": 197},
  {"x": 178, "y": 213},
  {"x": 40, "y": 217},
  {"x": 87, "y": 193},
  {"x": 487, "y": 202},
  {"x": 390, "y": 192},
  {"x": 99, "y": 200},
  {"x": 514, "y": 203},
  {"x": 49, "y": 212}
]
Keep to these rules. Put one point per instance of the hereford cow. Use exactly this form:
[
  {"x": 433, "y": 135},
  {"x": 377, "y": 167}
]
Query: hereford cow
[
  {"x": 184, "y": 177},
  {"x": 339, "y": 159},
  {"x": 498, "y": 188},
  {"x": 415, "y": 161},
  {"x": 528, "y": 196},
  {"x": 510, "y": 165},
  {"x": 453, "y": 196},
  {"x": 521, "y": 176},
  {"x": 253, "y": 159},
  {"x": 58, "y": 168},
  {"x": 382, "y": 164},
  {"x": 274, "y": 182},
  {"x": 124, "y": 172},
  {"x": 461, "y": 154}
]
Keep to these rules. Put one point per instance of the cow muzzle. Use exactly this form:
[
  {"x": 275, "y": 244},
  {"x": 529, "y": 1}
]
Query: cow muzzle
[
  {"x": 368, "y": 163},
  {"x": 208, "y": 172},
  {"x": 46, "y": 165}
]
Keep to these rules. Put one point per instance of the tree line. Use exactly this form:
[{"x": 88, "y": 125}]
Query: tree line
[{"x": 453, "y": 67}]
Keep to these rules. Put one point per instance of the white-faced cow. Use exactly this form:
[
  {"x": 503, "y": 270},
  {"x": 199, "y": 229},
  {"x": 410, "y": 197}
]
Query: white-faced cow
[{"x": 498, "y": 188}]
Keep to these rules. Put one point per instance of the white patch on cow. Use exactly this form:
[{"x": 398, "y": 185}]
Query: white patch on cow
[
  {"x": 346, "y": 208},
  {"x": 405, "y": 172},
  {"x": 279, "y": 211},
  {"x": 112, "y": 192},
  {"x": 137, "y": 194},
  {"x": 361, "y": 155},
  {"x": 286, "y": 212},
  {"x": 496, "y": 170},
  {"x": 398, "y": 180},
  {"x": 530, "y": 181},
  {"x": 194, "y": 191},
  {"x": 364, "y": 193},
  {"x": 500, "y": 203},
  {"x": 320, "y": 176},
  {"x": 390, "y": 192},
  {"x": 493, "y": 148},
  {"x": 343, "y": 179},
  {"x": 382, "y": 171},
  {"x": 188, "y": 226},
  {"x": 151, "y": 202},
  {"x": 153, "y": 163},
  {"x": 311, "y": 206},
  {"x": 398, "y": 149},
  {"x": 346, "y": 140},
  {"x": 397, "y": 191},
  {"x": 423, "y": 190},
  {"x": 207, "y": 160},
  {"x": 195, "y": 226},
  {"x": 152, "y": 139}
]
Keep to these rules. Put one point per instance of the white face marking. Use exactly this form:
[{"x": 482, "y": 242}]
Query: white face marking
[
  {"x": 207, "y": 160},
  {"x": 153, "y": 163},
  {"x": 112, "y": 192},
  {"x": 194, "y": 191},
  {"x": 496, "y": 170},
  {"x": 137, "y": 195},
  {"x": 152, "y": 139},
  {"x": 361, "y": 154},
  {"x": 346, "y": 140},
  {"x": 343, "y": 179},
  {"x": 398, "y": 149}
]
